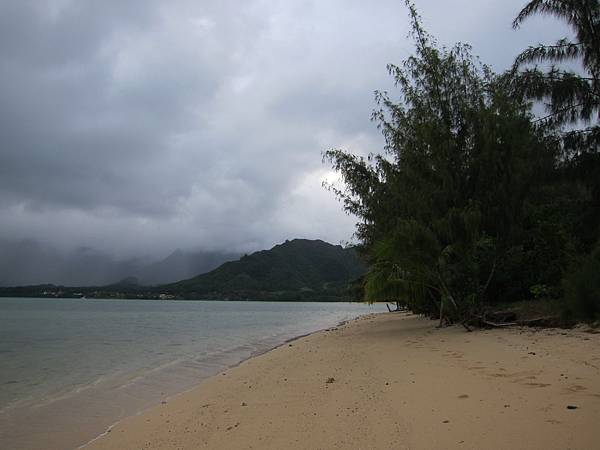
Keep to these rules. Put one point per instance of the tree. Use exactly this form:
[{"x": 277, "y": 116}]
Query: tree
[
  {"x": 572, "y": 97},
  {"x": 442, "y": 205},
  {"x": 573, "y": 100}
]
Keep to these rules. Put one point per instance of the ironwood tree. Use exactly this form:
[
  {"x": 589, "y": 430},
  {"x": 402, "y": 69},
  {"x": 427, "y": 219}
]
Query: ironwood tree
[{"x": 443, "y": 206}]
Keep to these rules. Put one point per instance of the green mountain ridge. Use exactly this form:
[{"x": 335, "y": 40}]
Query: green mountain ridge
[{"x": 295, "y": 270}]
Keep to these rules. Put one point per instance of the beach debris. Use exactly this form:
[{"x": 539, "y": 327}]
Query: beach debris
[
  {"x": 164, "y": 402},
  {"x": 330, "y": 380},
  {"x": 489, "y": 319},
  {"x": 244, "y": 404},
  {"x": 446, "y": 421},
  {"x": 572, "y": 407}
]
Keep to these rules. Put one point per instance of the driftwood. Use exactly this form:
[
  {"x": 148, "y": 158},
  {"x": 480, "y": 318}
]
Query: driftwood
[
  {"x": 498, "y": 325},
  {"x": 544, "y": 322},
  {"x": 502, "y": 319},
  {"x": 465, "y": 324},
  {"x": 497, "y": 319},
  {"x": 445, "y": 321}
]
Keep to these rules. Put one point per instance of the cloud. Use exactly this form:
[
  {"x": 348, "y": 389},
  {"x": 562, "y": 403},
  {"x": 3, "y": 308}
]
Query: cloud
[{"x": 142, "y": 126}]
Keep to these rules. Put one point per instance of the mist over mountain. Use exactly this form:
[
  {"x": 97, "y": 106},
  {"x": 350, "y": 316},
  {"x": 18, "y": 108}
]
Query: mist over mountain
[
  {"x": 29, "y": 262},
  {"x": 180, "y": 265}
]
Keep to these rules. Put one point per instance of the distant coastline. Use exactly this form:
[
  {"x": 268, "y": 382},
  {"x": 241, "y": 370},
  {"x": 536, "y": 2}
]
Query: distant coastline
[{"x": 148, "y": 293}]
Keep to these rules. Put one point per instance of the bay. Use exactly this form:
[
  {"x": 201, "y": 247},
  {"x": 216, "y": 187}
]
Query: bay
[{"x": 66, "y": 363}]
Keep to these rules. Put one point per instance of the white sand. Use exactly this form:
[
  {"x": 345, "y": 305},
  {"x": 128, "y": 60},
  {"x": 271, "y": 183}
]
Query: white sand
[{"x": 395, "y": 381}]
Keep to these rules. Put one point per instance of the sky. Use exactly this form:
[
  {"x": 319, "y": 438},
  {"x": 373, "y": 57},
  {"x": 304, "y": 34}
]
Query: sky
[{"x": 137, "y": 127}]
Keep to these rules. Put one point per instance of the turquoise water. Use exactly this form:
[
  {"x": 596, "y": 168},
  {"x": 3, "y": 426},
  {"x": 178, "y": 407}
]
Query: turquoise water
[{"x": 72, "y": 354}]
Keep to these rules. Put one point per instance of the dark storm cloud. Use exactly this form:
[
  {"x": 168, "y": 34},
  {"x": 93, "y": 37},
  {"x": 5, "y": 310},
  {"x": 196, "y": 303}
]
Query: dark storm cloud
[{"x": 141, "y": 126}]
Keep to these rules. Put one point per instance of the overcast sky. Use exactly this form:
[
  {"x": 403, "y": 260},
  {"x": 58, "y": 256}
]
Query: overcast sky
[{"x": 139, "y": 126}]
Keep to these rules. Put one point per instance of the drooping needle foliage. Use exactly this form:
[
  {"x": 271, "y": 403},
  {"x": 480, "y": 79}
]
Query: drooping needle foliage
[{"x": 468, "y": 203}]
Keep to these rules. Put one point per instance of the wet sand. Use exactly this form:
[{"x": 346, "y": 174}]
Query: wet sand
[{"x": 390, "y": 381}]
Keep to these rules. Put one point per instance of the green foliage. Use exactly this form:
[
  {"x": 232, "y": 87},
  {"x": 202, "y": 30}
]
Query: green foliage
[
  {"x": 474, "y": 202},
  {"x": 539, "y": 291},
  {"x": 582, "y": 289},
  {"x": 564, "y": 233},
  {"x": 445, "y": 203}
]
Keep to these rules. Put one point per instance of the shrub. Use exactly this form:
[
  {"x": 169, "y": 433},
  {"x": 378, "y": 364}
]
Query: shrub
[{"x": 582, "y": 290}]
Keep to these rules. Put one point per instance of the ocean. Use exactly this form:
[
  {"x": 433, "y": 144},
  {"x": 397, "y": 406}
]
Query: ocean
[{"x": 81, "y": 364}]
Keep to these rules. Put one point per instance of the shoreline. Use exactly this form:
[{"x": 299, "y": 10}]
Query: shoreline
[
  {"x": 389, "y": 381},
  {"x": 58, "y": 423},
  {"x": 255, "y": 354}
]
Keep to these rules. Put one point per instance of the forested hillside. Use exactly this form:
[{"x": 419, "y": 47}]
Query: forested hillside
[{"x": 295, "y": 270}]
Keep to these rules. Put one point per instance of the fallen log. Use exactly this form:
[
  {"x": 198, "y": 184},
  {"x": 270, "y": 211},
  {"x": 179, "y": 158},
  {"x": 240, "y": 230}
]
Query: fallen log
[
  {"x": 498, "y": 325},
  {"x": 485, "y": 321},
  {"x": 542, "y": 322}
]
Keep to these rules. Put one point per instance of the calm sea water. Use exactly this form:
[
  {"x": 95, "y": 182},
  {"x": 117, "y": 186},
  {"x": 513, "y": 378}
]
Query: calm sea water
[{"x": 70, "y": 356}]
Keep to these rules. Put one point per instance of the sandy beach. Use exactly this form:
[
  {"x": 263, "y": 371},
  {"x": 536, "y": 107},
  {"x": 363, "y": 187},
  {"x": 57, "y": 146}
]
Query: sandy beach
[{"x": 390, "y": 381}]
